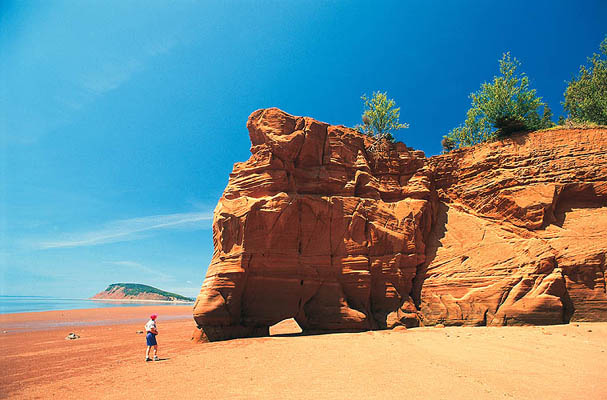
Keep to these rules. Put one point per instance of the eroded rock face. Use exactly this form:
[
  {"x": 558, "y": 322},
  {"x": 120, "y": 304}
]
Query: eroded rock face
[
  {"x": 316, "y": 228},
  {"x": 521, "y": 232}
]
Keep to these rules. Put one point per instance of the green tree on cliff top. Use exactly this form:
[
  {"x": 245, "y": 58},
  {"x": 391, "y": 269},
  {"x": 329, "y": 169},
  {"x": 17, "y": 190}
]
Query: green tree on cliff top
[
  {"x": 380, "y": 117},
  {"x": 586, "y": 94},
  {"x": 500, "y": 108}
]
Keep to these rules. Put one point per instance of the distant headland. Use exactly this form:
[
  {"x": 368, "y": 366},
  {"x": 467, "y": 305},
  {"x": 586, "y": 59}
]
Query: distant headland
[{"x": 138, "y": 292}]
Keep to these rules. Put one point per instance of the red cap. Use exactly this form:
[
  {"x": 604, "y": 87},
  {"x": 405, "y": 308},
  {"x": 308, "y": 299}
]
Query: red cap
[{"x": 153, "y": 316}]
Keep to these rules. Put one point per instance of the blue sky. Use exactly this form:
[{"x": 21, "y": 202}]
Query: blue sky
[{"x": 120, "y": 123}]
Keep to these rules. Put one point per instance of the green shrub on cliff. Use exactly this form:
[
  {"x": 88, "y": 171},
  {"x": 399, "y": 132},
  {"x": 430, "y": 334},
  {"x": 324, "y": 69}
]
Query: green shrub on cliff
[
  {"x": 380, "y": 117},
  {"x": 586, "y": 94},
  {"x": 500, "y": 108}
]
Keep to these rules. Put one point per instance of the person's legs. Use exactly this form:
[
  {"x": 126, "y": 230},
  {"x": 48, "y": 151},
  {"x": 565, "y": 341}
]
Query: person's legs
[
  {"x": 156, "y": 352},
  {"x": 151, "y": 342}
]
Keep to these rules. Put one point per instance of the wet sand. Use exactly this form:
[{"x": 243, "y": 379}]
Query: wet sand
[
  {"x": 90, "y": 317},
  {"x": 107, "y": 362}
]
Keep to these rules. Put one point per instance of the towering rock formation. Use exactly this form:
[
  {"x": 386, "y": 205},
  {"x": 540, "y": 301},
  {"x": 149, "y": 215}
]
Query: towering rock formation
[{"x": 314, "y": 226}]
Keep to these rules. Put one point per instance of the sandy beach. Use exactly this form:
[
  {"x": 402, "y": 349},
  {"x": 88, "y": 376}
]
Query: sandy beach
[{"x": 107, "y": 361}]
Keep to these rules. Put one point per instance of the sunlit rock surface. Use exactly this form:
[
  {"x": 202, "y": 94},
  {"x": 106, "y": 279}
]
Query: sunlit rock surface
[{"x": 317, "y": 228}]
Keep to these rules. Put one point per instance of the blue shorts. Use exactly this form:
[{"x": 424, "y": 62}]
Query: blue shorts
[{"x": 151, "y": 339}]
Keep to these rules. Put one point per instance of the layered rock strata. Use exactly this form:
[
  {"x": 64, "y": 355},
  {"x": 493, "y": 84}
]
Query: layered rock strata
[
  {"x": 316, "y": 227},
  {"x": 521, "y": 232}
]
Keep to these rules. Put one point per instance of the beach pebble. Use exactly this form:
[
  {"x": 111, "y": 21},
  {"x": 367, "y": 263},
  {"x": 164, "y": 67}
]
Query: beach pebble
[
  {"x": 72, "y": 336},
  {"x": 589, "y": 330}
]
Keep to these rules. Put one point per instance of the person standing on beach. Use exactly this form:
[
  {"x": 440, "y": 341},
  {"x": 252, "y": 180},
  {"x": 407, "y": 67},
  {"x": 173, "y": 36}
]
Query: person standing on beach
[{"x": 150, "y": 337}]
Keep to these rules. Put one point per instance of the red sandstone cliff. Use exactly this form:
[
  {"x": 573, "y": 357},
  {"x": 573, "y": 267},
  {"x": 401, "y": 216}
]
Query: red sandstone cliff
[
  {"x": 314, "y": 227},
  {"x": 521, "y": 232},
  {"x": 119, "y": 294}
]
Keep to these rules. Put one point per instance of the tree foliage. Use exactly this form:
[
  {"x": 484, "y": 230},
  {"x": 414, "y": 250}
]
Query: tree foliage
[
  {"x": 546, "y": 121},
  {"x": 380, "y": 117},
  {"x": 500, "y": 108},
  {"x": 448, "y": 144},
  {"x": 586, "y": 94}
]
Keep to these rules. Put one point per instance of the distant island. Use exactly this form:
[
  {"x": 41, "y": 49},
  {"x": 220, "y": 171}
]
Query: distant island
[{"x": 136, "y": 291}]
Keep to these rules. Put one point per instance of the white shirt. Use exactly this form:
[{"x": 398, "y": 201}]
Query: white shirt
[{"x": 150, "y": 325}]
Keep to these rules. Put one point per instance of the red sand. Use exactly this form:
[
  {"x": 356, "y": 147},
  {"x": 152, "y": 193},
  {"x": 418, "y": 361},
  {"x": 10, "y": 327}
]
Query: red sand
[{"x": 107, "y": 362}]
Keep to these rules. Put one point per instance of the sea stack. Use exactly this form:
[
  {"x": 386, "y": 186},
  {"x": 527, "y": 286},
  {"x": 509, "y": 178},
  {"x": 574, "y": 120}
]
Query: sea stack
[{"x": 317, "y": 227}]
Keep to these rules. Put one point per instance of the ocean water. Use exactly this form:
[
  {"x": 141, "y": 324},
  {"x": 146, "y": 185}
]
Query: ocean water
[{"x": 20, "y": 304}]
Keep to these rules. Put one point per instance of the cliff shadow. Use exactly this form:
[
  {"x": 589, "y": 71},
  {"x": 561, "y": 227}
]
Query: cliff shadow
[
  {"x": 577, "y": 197},
  {"x": 433, "y": 243},
  {"x": 519, "y": 138}
]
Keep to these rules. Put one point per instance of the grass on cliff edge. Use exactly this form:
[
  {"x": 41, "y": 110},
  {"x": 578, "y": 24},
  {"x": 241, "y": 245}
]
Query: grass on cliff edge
[
  {"x": 134, "y": 289},
  {"x": 567, "y": 125},
  {"x": 574, "y": 125}
]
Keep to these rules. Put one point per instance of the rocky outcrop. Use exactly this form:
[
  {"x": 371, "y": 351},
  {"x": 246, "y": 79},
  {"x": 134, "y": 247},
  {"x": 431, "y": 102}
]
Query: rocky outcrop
[
  {"x": 317, "y": 228},
  {"x": 136, "y": 291},
  {"x": 521, "y": 232}
]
